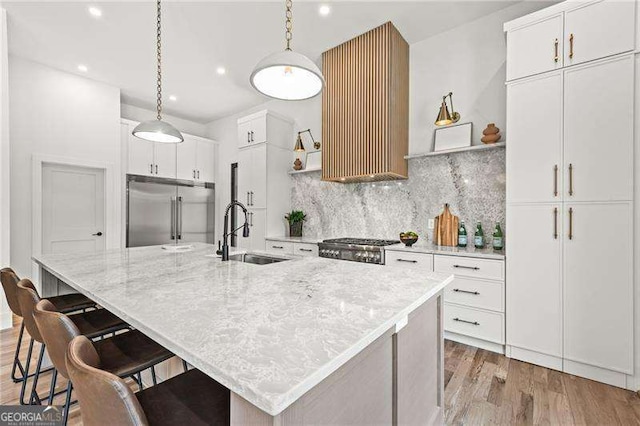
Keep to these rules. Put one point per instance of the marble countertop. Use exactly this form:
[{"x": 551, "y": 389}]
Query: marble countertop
[
  {"x": 430, "y": 248},
  {"x": 269, "y": 333},
  {"x": 303, "y": 239}
]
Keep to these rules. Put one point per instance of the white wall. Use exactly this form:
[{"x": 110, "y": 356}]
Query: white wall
[
  {"x": 135, "y": 113},
  {"x": 54, "y": 113},
  {"x": 5, "y": 190},
  {"x": 469, "y": 61}
]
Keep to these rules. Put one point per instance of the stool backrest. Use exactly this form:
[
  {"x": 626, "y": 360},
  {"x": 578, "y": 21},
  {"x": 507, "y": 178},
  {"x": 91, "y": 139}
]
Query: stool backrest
[
  {"x": 57, "y": 331},
  {"x": 104, "y": 398},
  {"x": 29, "y": 298},
  {"x": 10, "y": 285}
]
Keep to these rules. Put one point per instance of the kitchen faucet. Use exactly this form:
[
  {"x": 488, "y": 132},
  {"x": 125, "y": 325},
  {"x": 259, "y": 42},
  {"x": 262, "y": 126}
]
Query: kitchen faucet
[{"x": 225, "y": 235}]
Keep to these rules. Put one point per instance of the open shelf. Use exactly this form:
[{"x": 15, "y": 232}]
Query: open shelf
[
  {"x": 297, "y": 172},
  {"x": 456, "y": 150}
]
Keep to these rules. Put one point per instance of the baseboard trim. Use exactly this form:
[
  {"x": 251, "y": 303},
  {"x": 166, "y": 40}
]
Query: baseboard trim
[
  {"x": 533, "y": 357},
  {"x": 598, "y": 374},
  {"x": 472, "y": 341}
]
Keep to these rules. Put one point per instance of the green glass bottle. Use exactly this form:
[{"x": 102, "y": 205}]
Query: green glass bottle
[
  {"x": 479, "y": 236},
  {"x": 462, "y": 235},
  {"x": 498, "y": 240}
]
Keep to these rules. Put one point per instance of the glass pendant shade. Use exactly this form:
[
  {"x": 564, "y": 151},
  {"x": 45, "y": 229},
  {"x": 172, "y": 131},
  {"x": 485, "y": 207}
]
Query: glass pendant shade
[
  {"x": 158, "y": 131},
  {"x": 288, "y": 76},
  {"x": 444, "y": 118}
]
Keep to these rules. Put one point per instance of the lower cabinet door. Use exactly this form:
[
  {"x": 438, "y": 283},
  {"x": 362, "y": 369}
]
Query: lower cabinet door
[
  {"x": 280, "y": 247},
  {"x": 257, "y": 228},
  {"x": 534, "y": 279},
  {"x": 476, "y": 323},
  {"x": 598, "y": 285}
]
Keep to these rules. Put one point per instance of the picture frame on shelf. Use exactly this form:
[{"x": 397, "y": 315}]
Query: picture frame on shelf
[
  {"x": 452, "y": 137},
  {"x": 313, "y": 160}
]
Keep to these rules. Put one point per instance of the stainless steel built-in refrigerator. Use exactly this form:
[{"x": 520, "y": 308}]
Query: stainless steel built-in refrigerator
[{"x": 169, "y": 211}]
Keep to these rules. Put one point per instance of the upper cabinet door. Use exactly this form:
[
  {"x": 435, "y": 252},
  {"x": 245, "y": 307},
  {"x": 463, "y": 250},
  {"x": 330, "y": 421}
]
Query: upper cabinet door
[
  {"x": 535, "y": 48},
  {"x": 534, "y": 155},
  {"x": 140, "y": 157},
  {"x": 244, "y": 176},
  {"x": 598, "y": 131},
  {"x": 206, "y": 171},
  {"x": 165, "y": 160},
  {"x": 259, "y": 130},
  {"x": 244, "y": 134},
  {"x": 187, "y": 154},
  {"x": 597, "y": 30}
]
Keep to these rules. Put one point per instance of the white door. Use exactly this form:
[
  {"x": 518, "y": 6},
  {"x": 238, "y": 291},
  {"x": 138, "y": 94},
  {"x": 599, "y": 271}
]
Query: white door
[
  {"x": 259, "y": 130},
  {"x": 206, "y": 161},
  {"x": 140, "y": 156},
  {"x": 73, "y": 210},
  {"x": 598, "y": 29},
  {"x": 244, "y": 176},
  {"x": 259, "y": 176},
  {"x": 258, "y": 228},
  {"x": 165, "y": 160},
  {"x": 244, "y": 134},
  {"x": 535, "y": 48},
  {"x": 534, "y": 156},
  {"x": 598, "y": 285},
  {"x": 534, "y": 293},
  {"x": 187, "y": 154},
  {"x": 598, "y": 131}
]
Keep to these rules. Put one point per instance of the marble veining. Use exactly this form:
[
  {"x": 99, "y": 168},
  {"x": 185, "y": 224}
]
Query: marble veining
[
  {"x": 267, "y": 332},
  {"x": 473, "y": 183}
]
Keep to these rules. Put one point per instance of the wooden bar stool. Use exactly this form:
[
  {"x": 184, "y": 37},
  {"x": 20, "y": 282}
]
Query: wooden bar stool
[
  {"x": 66, "y": 303},
  {"x": 123, "y": 354},
  {"x": 91, "y": 324},
  {"x": 192, "y": 398}
]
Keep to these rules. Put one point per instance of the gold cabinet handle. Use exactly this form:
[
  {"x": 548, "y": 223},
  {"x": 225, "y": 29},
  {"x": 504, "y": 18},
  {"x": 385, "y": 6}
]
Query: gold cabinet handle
[
  {"x": 571, "y": 223},
  {"x": 555, "y": 223},
  {"x": 571, "y": 45},
  {"x": 555, "y": 180},
  {"x": 556, "y": 58},
  {"x": 571, "y": 179}
]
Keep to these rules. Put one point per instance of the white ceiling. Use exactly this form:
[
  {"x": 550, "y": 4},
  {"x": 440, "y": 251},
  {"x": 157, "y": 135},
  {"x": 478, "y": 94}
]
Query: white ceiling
[{"x": 198, "y": 37}]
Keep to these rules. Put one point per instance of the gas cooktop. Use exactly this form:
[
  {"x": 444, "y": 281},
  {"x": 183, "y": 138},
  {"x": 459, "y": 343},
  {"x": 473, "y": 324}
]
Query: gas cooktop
[
  {"x": 361, "y": 242},
  {"x": 365, "y": 250}
]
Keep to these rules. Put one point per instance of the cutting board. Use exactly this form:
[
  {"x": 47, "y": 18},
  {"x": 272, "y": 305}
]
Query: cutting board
[{"x": 445, "y": 231}]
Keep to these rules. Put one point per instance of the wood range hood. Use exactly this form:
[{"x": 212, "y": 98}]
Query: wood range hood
[{"x": 365, "y": 108}]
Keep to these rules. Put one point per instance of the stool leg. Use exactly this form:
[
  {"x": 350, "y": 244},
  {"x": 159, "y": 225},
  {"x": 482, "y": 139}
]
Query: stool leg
[
  {"x": 52, "y": 389},
  {"x": 140, "y": 387},
  {"x": 185, "y": 366},
  {"x": 67, "y": 404},
  {"x": 16, "y": 358},
  {"x": 27, "y": 363},
  {"x": 34, "y": 399},
  {"x": 153, "y": 375}
]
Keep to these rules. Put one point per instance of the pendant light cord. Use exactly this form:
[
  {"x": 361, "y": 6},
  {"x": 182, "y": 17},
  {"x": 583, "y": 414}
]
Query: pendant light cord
[
  {"x": 289, "y": 24},
  {"x": 159, "y": 58}
]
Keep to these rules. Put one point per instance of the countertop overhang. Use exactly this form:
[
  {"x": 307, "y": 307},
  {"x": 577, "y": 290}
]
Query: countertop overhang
[{"x": 269, "y": 333}]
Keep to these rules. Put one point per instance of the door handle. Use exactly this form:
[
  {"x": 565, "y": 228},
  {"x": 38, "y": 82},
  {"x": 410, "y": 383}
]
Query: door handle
[
  {"x": 556, "y": 58},
  {"x": 251, "y": 197},
  {"x": 407, "y": 261},
  {"x": 555, "y": 223},
  {"x": 474, "y": 268},
  {"x": 179, "y": 225},
  {"x": 173, "y": 218},
  {"x": 570, "y": 179},
  {"x": 194, "y": 173},
  {"x": 555, "y": 180},
  {"x": 457, "y": 290},
  {"x": 156, "y": 169},
  {"x": 277, "y": 247},
  {"x": 248, "y": 137},
  {"x": 97, "y": 234},
  {"x": 571, "y": 223},
  {"x": 198, "y": 174},
  {"x": 251, "y": 219},
  {"x": 571, "y": 45},
  {"x": 252, "y": 136},
  {"x": 248, "y": 202},
  {"x": 467, "y": 322},
  {"x": 151, "y": 168},
  {"x": 307, "y": 250}
]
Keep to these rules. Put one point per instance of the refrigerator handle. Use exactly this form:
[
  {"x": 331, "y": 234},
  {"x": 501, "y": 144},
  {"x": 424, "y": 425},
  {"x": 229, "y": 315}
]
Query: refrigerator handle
[
  {"x": 179, "y": 221},
  {"x": 173, "y": 218}
]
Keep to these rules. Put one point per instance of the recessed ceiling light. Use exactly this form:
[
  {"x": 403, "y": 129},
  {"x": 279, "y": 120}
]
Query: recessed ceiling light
[
  {"x": 324, "y": 10},
  {"x": 94, "y": 11},
  {"x": 83, "y": 68},
  {"x": 221, "y": 70},
  {"x": 173, "y": 98}
]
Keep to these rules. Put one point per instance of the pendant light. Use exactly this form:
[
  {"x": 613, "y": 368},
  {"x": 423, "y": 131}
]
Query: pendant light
[
  {"x": 287, "y": 75},
  {"x": 158, "y": 130}
]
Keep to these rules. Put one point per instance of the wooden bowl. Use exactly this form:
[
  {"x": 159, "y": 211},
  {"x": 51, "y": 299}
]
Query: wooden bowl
[{"x": 408, "y": 241}]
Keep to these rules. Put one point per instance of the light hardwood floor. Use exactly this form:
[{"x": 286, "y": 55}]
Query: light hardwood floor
[{"x": 481, "y": 388}]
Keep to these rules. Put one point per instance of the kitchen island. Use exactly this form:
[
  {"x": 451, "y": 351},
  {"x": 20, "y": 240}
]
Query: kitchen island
[{"x": 303, "y": 341}]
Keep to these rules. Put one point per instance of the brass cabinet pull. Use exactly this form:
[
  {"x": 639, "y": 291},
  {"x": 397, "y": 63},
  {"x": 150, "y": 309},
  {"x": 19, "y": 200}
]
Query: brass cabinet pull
[
  {"x": 556, "y": 58},
  {"x": 571, "y": 223},
  {"x": 571, "y": 45},
  {"x": 570, "y": 179},
  {"x": 555, "y": 180},
  {"x": 555, "y": 223}
]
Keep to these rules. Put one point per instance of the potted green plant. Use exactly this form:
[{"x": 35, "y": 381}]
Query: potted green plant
[{"x": 296, "y": 218}]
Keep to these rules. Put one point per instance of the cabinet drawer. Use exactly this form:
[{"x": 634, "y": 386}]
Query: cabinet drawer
[
  {"x": 474, "y": 323},
  {"x": 281, "y": 247},
  {"x": 305, "y": 249},
  {"x": 417, "y": 261},
  {"x": 470, "y": 267},
  {"x": 476, "y": 293}
]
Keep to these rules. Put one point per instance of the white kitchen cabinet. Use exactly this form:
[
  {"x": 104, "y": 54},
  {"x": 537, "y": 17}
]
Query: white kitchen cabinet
[
  {"x": 534, "y": 155},
  {"x": 534, "y": 274},
  {"x": 481, "y": 324},
  {"x": 165, "y": 160},
  {"x": 196, "y": 160},
  {"x": 305, "y": 249},
  {"x": 594, "y": 30},
  {"x": 252, "y": 176},
  {"x": 257, "y": 228},
  {"x": 280, "y": 247},
  {"x": 418, "y": 262},
  {"x": 535, "y": 47},
  {"x": 598, "y": 130},
  {"x": 140, "y": 161},
  {"x": 187, "y": 153},
  {"x": 205, "y": 161},
  {"x": 265, "y": 127},
  {"x": 598, "y": 285}
]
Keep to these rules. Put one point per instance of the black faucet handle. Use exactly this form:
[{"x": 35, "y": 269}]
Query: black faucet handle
[{"x": 219, "y": 251}]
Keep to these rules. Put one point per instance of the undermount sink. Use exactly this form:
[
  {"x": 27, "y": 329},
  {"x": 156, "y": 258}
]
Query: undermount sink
[{"x": 256, "y": 259}]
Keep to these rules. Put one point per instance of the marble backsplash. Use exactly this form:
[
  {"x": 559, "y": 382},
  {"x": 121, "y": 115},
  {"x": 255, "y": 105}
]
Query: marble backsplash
[{"x": 473, "y": 183}]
